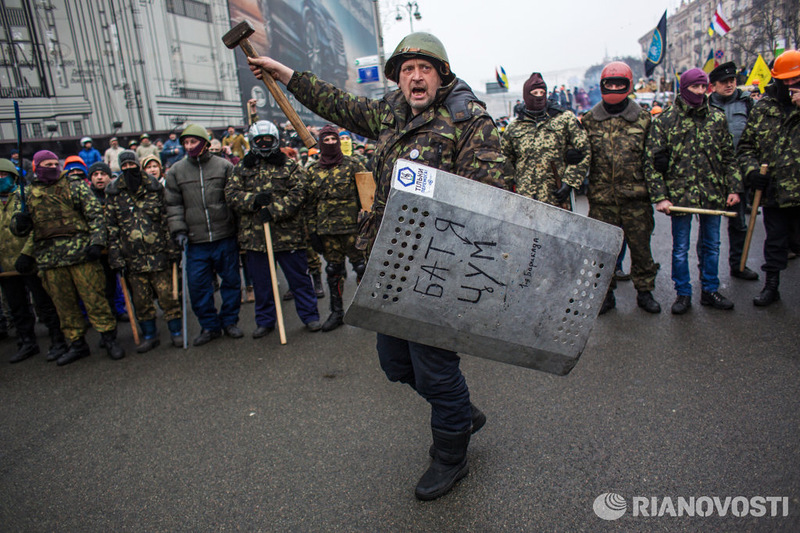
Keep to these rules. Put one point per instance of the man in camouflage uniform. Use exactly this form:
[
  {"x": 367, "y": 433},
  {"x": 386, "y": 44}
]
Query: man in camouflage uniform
[
  {"x": 689, "y": 162},
  {"x": 546, "y": 149},
  {"x": 772, "y": 136},
  {"x": 617, "y": 128},
  {"x": 333, "y": 217},
  {"x": 16, "y": 288},
  {"x": 736, "y": 105},
  {"x": 66, "y": 236},
  {"x": 435, "y": 119},
  {"x": 266, "y": 187},
  {"x": 140, "y": 249}
]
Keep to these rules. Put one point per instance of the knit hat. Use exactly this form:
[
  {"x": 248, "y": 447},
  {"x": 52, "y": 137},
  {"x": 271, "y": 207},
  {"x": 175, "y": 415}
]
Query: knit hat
[
  {"x": 43, "y": 155},
  {"x": 691, "y": 77},
  {"x": 101, "y": 167},
  {"x": 125, "y": 156}
]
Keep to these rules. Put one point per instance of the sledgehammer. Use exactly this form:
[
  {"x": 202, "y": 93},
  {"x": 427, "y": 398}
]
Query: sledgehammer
[{"x": 238, "y": 36}]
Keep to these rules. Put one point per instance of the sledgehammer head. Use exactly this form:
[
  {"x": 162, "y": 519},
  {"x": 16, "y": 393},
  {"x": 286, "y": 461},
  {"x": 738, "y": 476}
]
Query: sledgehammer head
[{"x": 243, "y": 30}]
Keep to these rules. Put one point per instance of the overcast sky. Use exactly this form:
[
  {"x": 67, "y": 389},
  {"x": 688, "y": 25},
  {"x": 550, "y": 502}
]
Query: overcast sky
[{"x": 527, "y": 35}]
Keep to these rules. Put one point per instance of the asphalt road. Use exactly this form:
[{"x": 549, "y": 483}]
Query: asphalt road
[{"x": 245, "y": 435}]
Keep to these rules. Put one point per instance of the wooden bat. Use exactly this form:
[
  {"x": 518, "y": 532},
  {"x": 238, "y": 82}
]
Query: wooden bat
[
  {"x": 698, "y": 211},
  {"x": 273, "y": 275},
  {"x": 752, "y": 225},
  {"x": 129, "y": 309}
]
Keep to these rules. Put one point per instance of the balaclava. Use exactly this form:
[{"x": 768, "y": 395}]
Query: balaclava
[
  {"x": 48, "y": 176},
  {"x": 692, "y": 77},
  {"x": 534, "y": 103},
  {"x": 330, "y": 154},
  {"x": 132, "y": 176}
]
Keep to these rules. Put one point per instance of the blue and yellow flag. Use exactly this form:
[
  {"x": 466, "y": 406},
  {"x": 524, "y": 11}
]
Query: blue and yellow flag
[
  {"x": 711, "y": 63},
  {"x": 502, "y": 79}
]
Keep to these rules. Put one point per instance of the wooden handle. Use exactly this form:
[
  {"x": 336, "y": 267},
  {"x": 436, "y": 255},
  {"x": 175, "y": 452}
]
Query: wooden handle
[
  {"x": 753, "y": 215},
  {"x": 698, "y": 211},
  {"x": 283, "y": 102},
  {"x": 175, "y": 281},
  {"x": 129, "y": 309},
  {"x": 9, "y": 274},
  {"x": 273, "y": 276},
  {"x": 365, "y": 183}
]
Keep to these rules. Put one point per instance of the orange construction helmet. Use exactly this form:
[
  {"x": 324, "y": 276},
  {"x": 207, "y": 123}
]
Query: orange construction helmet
[
  {"x": 787, "y": 65},
  {"x": 656, "y": 110}
]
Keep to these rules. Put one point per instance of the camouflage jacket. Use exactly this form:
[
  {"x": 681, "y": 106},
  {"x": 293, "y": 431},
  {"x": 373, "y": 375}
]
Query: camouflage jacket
[
  {"x": 288, "y": 184},
  {"x": 333, "y": 202},
  {"x": 702, "y": 169},
  {"x": 67, "y": 219},
  {"x": 10, "y": 245},
  {"x": 617, "y": 171},
  {"x": 533, "y": 147},
  {"x": 138, "y": 235},
  {"x": 772, "y": 136},
  {"x": 454, "y": 134}
]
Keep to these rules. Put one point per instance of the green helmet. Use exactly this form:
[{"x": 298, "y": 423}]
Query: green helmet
[
  {"x": 193, "y": 130},
  {"x": 419, "y": 45},
  {"x": 7, "y": 166}
]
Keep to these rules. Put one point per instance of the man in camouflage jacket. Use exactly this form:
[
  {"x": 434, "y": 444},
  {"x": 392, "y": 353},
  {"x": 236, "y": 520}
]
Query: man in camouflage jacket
[
  {"x": 16, "y": 288},
  {"x": 690, "y": 162},
  {"x": 546, "y": 149},
  {"x": 617, "y": 128},
  {"x": 333, "y": 209},
  {"x": 140, "y": 248},
  {"x": 435, "y": 119},
  {"x": 266, "y": 187},
  {"x": 66, "y": 236},
  {"x": 772, "y": 136}
]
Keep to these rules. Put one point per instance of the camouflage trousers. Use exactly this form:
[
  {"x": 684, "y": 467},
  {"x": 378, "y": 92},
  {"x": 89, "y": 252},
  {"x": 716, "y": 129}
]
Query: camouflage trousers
[
  {"x": 146, "y": 287},
  {"x": 337, "y": 247},
  {"x": 636, "y": 220},
  {"x": 70, "y": 284},
  {"x": 314, "y": 262}
]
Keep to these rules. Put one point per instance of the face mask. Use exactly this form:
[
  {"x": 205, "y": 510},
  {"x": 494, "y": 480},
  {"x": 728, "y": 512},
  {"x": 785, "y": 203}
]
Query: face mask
[
  {"x": 198, "y": 150},
  {"x": 347, "y": 146},
  {"x": 133, "y": 178},
  {"x": 7, "y": 184},
  {"x": 48, "y": 175}
]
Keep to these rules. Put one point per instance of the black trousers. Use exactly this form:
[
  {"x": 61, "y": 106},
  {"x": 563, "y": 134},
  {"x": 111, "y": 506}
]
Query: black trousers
[
  {"x": 778, "y": 223},
  {"x": 15, "y": 291}
]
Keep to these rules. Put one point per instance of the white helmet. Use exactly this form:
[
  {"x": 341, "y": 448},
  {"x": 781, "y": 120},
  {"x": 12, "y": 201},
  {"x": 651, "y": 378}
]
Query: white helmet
[
  {"x": 264, "y": 137},
  {"x": 86, "y": 140}
]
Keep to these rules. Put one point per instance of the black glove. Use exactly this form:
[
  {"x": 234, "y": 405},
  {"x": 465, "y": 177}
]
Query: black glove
[
  {"x": 757, "y": 180},
  {"x": 573, "y": 156},
  {"x": 25, "y": 264},
  {"x": 93, "y": 252},
  {"x": 181, "y": 239},
  {"x": 264, "y": 216},
  {"x": 316, "y": 243},
  {"x": 661, "y": 162},
  {"x": 21, "y": 224},
  {"x": 263, "y": 199},
  {"x": 563, "y": 193}
]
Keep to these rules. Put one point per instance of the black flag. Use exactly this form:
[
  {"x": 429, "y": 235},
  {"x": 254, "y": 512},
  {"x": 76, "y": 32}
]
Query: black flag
[{"x": 658, "y": 47}]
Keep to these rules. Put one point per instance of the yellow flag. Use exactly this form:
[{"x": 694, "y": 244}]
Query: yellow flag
[{"x": 761, "y": 73}]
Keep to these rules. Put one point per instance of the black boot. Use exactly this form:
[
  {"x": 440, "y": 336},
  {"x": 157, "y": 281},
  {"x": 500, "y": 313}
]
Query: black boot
[
  {"x": 448, "y": 466},
  {"x": 645, "y": 300},
  {"x": 27, "y": 348},
  {"x": 769, "y": 294},
  {"x": 108, "y": 340},
  {"x": 336, "y": 318},
  {"x": 478, "y": 421},
  {"x": 77, "y": 350},
  {"x": 316, "y": 277},
  {"x": 58, "y": 346},
  {"x": 609, "y": 303}
]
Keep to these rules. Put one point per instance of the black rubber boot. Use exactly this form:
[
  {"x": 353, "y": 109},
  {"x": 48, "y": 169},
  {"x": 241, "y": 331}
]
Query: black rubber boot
[
  {"x": 58, "y": 346},
  {"x": 27, "y": 348},
  {"x": 78, "y": 349},
  {"x": 769, "y": 294},
  {"x": 478, "y": 421},
  {"x": 645, "y": 300},
  {"x": 316, "y": 277},
  {"x": 336, "y": 318},
  {"x": 109, "y": 342},
  {"x": 448, "y": 466}
]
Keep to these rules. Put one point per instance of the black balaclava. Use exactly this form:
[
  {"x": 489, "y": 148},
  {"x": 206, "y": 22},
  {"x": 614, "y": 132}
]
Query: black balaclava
[{"x": 534, "y": 103}]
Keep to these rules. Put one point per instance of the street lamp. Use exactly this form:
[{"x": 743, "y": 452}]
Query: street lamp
[{"x": 410, "y": 6}]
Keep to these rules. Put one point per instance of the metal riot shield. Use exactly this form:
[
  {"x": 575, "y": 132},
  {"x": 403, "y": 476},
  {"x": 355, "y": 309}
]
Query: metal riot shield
[{"x": 467, "y": 267}]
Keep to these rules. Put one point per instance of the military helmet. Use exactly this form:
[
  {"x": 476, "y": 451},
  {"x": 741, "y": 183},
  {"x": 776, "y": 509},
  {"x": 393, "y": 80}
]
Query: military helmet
[
  {"x": 419, "y": 45},
  {"x": 264, "y": 147},
  {"x": 193, "y": 130},
  {"x": 787, "y": 65},
  {"x": 7, "y": 166}
]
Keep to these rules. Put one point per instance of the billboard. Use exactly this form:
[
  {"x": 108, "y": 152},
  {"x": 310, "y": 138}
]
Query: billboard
[{"x": 322, "y": 36}]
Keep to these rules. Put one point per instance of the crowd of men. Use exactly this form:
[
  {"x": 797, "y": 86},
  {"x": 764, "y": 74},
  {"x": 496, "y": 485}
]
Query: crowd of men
[{"x": 202, "y": 203}]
